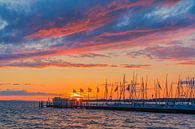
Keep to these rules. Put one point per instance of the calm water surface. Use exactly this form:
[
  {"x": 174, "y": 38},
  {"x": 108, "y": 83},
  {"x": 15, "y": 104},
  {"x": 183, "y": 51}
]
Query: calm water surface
[{"x": 27, "y": 115}]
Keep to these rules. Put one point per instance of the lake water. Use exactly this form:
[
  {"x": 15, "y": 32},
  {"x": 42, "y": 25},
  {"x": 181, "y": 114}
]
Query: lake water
[{"x": 27, "y": 115}]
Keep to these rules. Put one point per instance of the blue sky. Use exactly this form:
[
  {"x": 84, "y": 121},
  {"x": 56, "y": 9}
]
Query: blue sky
[{"x": 43, "y": 28}]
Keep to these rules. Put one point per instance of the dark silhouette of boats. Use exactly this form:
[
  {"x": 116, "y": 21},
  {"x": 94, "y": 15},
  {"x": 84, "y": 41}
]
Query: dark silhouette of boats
[{"x": 133, "y": 96}]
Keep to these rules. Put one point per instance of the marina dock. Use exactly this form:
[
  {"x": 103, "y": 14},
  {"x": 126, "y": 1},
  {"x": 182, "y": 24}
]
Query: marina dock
[
  {"x": 138, "y": 100},
  {"x": 187, "y": 107}
]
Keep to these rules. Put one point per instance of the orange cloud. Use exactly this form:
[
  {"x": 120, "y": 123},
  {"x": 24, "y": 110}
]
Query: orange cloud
[
  {"x": 135, "y": 66},
  {"x": 191, "y": 62}
]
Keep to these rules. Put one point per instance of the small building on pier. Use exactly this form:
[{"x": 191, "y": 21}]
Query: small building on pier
[{"x": 66, "y": 102}]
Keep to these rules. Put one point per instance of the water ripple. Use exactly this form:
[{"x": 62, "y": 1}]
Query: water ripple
[{"x": 27, "y": 115}]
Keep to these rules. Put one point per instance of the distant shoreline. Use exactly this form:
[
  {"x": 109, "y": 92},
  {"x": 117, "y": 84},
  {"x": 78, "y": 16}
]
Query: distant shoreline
[{"x": 18, "y": 101}]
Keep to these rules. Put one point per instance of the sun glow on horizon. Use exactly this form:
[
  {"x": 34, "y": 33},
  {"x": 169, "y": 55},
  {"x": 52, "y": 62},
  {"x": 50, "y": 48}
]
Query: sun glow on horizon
[{"x": 75, "y": 95}]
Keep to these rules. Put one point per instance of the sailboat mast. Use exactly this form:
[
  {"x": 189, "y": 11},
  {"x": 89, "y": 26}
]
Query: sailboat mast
[
  {"x": 170, "y": 92},
  {"x": 166, "y": 86},
  {"x": 111, "y": 92},
  {"x": 106, "y": 90},
  {"x": 124, "y": 87},
  {"x": 146, "y": 87},
  {"x": 133, "y": 86},
  {"x": 143, "y": 90}
]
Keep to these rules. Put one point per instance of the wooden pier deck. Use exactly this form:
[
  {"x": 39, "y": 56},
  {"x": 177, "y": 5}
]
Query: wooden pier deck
[{"x": 160, "y": 107}]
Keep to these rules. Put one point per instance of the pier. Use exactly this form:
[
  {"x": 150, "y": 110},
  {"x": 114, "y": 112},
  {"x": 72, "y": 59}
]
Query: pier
[
  {"x": 138, "y": 100},
  {"x": 187, "y": 106}
]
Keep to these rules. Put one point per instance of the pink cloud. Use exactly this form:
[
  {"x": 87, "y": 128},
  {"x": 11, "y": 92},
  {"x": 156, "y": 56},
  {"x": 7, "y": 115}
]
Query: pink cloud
[
  {"x": 174, "y": 53},
  {"x": 170, "y": 2},
  {"x": 190, "y": 62},
  {"x": 94, "y": 18}
]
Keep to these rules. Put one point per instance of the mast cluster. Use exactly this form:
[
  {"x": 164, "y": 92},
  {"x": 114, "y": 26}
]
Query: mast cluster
[{"x": 134, "y": 90}]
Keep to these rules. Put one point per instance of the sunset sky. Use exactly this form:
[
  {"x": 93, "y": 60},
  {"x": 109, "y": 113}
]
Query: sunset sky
[{"x": 49, "y": 47}]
